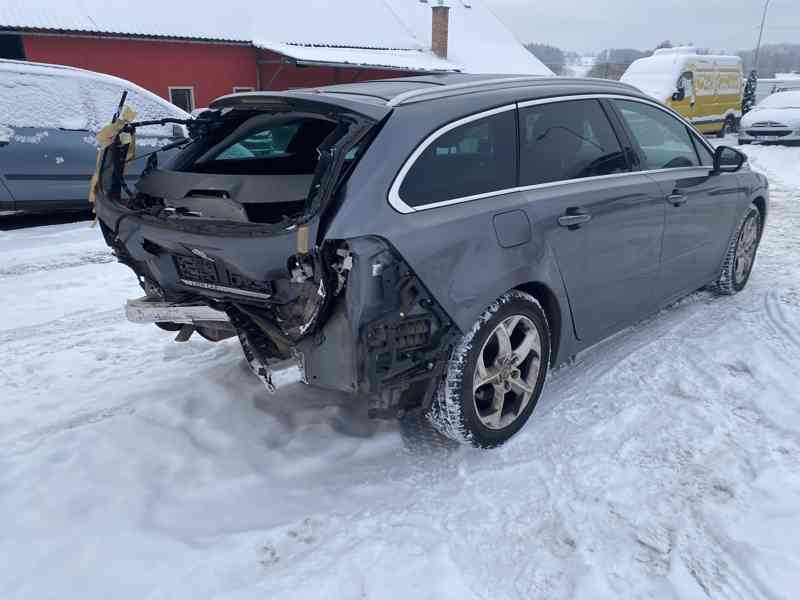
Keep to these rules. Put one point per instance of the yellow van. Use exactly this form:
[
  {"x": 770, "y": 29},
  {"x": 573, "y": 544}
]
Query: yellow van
[{"x": 704, "y": 88}]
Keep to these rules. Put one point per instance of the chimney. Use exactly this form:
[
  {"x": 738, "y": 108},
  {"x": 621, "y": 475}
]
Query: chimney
[{"x": 439, "y": 28}]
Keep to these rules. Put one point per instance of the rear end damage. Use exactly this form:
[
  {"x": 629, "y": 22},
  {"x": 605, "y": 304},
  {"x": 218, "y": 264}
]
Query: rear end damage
[{"x": 228, "y": 240}]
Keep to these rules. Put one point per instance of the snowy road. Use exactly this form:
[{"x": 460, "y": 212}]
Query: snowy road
[{"x": 664, "y": 463}]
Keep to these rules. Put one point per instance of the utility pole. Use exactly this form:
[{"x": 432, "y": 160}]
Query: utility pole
[{"x": 760, "y": 34}]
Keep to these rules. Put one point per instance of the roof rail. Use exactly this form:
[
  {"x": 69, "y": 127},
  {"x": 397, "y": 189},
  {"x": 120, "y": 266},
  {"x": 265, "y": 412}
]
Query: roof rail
[
  {"x": 420, "y": 94},
  {"x": 405, "y": 97}
]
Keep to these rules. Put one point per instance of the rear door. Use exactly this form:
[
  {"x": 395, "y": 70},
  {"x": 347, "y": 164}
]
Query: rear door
[
  {"x": 50, "y": 155},
  {"x": 699, "y": 206},
  {"x": 603, "y": 222}
]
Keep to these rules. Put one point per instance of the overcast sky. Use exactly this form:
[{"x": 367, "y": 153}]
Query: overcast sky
[{"x": 591, "y": 25}]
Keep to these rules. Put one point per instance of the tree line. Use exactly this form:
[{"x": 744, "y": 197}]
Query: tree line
[{"x": 611, "y": 63}]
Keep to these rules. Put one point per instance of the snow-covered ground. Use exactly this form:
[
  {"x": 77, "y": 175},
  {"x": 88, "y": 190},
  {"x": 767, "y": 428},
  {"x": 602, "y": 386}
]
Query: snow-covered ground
[{"x": 664, "y": 463}]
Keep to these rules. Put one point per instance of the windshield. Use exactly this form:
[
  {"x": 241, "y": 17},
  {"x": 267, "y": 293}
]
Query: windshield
[{"x": 781, "y": 100}]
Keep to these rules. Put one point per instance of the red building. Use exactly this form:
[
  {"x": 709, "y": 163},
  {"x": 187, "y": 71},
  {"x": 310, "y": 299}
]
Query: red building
[{"x": 191, "y": 57}]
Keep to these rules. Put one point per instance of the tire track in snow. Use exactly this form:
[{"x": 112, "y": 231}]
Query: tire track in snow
[{"x": 58, "y": 263}]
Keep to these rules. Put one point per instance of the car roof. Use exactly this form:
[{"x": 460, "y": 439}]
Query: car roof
[
  {"x": 378, "y": 97},
  {"x": 26, "y": 67}
]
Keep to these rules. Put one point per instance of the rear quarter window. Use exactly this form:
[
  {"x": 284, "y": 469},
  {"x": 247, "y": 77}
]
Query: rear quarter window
[{"x": 475, "y": 158}]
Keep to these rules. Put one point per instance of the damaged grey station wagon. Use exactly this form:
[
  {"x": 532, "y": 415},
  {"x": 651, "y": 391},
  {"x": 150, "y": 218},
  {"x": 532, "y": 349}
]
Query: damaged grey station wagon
[{"x": 431, "y": 244}]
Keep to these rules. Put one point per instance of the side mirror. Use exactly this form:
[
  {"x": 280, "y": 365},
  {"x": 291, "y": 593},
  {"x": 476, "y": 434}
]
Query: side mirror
[
  {"x": 728, "y": 160},
  {"x": 679, "y": 95}
]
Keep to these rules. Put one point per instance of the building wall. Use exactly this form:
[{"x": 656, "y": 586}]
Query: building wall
[{"x": 213, "y": 69}]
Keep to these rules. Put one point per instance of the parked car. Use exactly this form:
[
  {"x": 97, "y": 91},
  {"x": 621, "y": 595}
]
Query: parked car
[
  {"x": 704, "y": 88},
  {"x": 49, "y": 116},
  {"x": 433, "y": 243},
  {"x": 775, "y": 119}
]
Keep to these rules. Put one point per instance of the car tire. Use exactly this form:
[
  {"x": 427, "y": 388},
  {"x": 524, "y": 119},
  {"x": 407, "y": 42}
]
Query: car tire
[
  {"x": 495, "y": 374},
  {"x": 168, "y": 326},
  {"x": 743, "y": 142},
  {"x": 729, "y": 126},
  {"x": 741, "y": 254}
]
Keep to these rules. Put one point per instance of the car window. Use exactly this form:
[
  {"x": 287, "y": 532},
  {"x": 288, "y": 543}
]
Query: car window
[
  {"x": 567, "y": 140},
  {"x": 268, "y": 142},
  {"x": 663, "y": 141},
  {"x": 474, "y": 158},
  {"x": 706, "y": 157}
]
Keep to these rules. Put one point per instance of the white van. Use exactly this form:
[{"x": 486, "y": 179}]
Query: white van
[{"x": 704, "y": 88}]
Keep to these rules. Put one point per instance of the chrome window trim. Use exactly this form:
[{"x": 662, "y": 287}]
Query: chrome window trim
[{"x": 400, "y": 206}]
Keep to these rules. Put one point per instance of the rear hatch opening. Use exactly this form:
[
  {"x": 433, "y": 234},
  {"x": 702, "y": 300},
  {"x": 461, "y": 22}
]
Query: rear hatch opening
[
  {"x": 268, "y": 163},
  {"x": 232, "y": 222}
]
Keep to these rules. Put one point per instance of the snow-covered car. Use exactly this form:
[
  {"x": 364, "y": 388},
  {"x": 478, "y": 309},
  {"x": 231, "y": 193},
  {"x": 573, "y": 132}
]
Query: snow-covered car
[
  {"x": 431, "y": 244},
  {"x": 775, "y": 119},
  {"x": 49, "y": 116}
]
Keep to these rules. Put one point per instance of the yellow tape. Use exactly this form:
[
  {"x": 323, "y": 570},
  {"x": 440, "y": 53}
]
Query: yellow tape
[
  {"x": 302, "y": 239},
  {"x": 105, "y": 137}
]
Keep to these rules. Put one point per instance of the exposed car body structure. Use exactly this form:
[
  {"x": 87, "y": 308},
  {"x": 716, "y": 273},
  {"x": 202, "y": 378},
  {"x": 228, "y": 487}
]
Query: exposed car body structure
[
  {"x": 775, "y": 119},
  {"x": 49, "y": 115},
  {"x": 374, "y": 237}
]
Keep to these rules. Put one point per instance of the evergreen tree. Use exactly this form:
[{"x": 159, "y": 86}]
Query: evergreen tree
[{"x": 749, "y": 98}]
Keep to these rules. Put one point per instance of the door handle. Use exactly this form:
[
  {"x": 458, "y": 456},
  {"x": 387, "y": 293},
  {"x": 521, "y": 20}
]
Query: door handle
[
  {"x": 574, "y": 218},
  {"x": 677, "y": 199}
]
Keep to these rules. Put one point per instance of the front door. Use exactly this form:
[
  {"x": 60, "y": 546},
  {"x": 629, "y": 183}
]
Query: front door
[
  {"x": 699, "y": 206},
  {"x": 603, "y": 223}
]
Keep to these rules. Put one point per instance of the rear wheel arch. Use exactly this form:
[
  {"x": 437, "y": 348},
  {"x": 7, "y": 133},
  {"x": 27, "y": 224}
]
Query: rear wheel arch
[{"x": 552, "y": 309}]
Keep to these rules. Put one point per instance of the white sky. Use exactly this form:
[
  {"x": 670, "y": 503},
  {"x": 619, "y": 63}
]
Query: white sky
[{"x": 590, "y": 25}]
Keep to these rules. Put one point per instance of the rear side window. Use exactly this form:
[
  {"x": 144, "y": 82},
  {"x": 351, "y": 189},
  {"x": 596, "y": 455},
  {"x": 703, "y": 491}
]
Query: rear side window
[
  {"x": 472, "y": 159},
  {"x": 567, "y": 140},
  {"x": 663, "y": 141}
]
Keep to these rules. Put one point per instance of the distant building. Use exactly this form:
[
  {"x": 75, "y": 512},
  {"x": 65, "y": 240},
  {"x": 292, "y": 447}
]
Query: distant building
[{"x": 191, "y": 53}]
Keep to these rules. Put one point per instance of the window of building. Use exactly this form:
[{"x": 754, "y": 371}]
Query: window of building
[
  {"x": 182, "y": 97},
  {"x": 475, "y": 158},
  {"x": 663, "y": 141},
  {"x": 241, "y": 90},
  {"x": 567, "y": 140}
]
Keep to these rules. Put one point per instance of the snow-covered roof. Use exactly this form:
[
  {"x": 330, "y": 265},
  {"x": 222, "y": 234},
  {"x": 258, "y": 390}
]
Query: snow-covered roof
[
  {"x": 657, "y": 75},
  {"x": 377, "y": 33},
  {"x": 38, "y": 95}
]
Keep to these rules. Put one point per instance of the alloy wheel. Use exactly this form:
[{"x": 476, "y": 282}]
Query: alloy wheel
[
  {"x": 746, "y": 248},
  {"x": 506, "y": 372}
]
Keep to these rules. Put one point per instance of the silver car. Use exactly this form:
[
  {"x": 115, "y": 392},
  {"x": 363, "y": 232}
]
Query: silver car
[
  {"x": 775, "y": 119},
  {"x": 432, "y": 245},
  {"x": 49, "y": 116}
]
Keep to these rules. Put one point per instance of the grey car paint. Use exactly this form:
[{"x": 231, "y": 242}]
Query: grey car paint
[
  {"x": 50, "y": 169},
  {"x": 636, "y": 254},
  {"x": 614, "y": 262}
]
